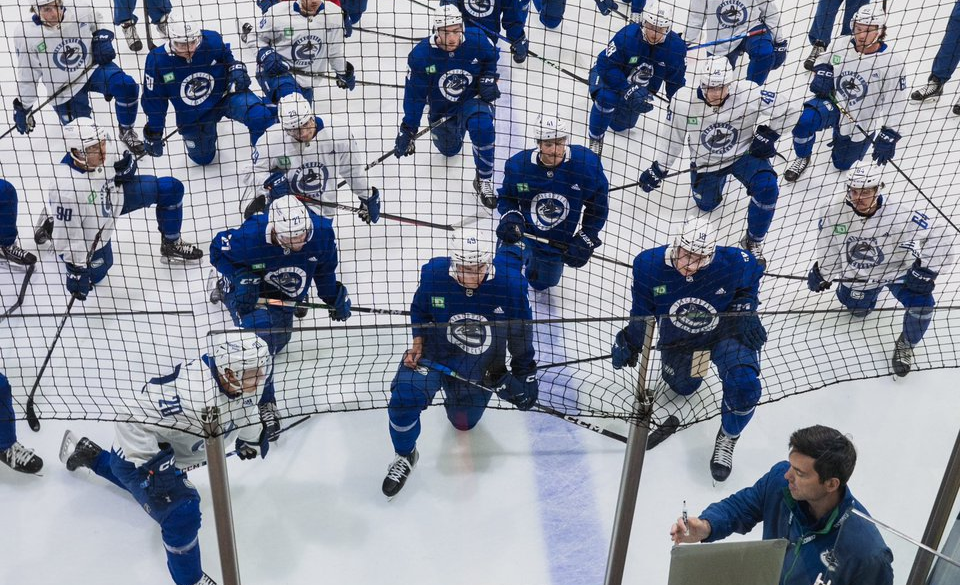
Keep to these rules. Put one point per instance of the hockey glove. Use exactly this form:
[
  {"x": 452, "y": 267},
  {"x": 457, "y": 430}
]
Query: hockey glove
[
  {"x": 764, "y": 143},
  {"x": 815, "y": 281},
  {"x": 404, "y": 145},
  {"x": 153, "y": 141},
  {"x": 885, "y": 146},
  {"x": 746, "y": 324},
  {"x": 919, "y": 280},
  {"x": 347, "y": 80},
  {"x": 251, "y": 450},
  {"x": 520, "y": 49},
  {"x": 23, "y": 118},
  {"x": 246, "y": 291},
  {"x": 278, "y": 185},
  {"x": 822, "y": 83},
  {"x": 101, "y": 47},
  {"x": 651, "y": 178},
  {"x": 510, "y": 228},
  {"x": 487, "y": 89},
  {"x": 521, "y": 392},
  {"x": 160, "y": 476},
  {"x": 638, "y": 100},
  {"x": 270, "y": 62},
  {"x": 238, "y": 79},
  {"x": 341, "y": 304},
  {"x": 78, "y": 281},
  {"x": 124, "y": 169},
  {"x": 370, "y": 207},
  {"x": 606, "y": 6},
  {"x": 779, "y": 54},
  {"x": 623, "y": 352},
  {"x": 580, "y": 249}
]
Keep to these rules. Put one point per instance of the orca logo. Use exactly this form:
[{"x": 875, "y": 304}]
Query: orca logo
[
  {"x": 469, "y": 332},
  {"x": 196, "y": 87},
  {"x": 864, "y": 253},
  {"x": 305, "y": 49},
  {"x": 479, "y": 8},
  {"x": 829, "y": 560},
  {"x": 547, "y": 210},
  {"x": 106, "y": 202},
  {"x": 731, "y": 13},
  {"x": 642, "y": 74},
  {"x": 719, "y": 137},
  {"x": 853, "y": 87},
  {"x": 70, "y": 55},
  {"x": 291, "y": 280},
  {"x": 310, "y": 179},
  {"x": 454, "y": 83},
  {"x": 694, "y": 315}
]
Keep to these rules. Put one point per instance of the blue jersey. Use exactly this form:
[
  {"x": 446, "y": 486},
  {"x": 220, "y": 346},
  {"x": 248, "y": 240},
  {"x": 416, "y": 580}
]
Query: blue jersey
[
  {"x": 445, "y": 80},
  {"x": 488, "y": 15},
  {"x": 194, "y": 87},
  {"x": 483, "y": 321},
  {"x": 250, "y": 248},
  {"x": 554, "y": 202},
  {"x": 630, "y": 60},
  {"x": 686, "y": 307}
]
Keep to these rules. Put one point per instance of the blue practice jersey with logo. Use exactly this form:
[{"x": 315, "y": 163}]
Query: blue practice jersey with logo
[
  {"x": 630, "y": 60},
  {"x": 488, "y": 15}
]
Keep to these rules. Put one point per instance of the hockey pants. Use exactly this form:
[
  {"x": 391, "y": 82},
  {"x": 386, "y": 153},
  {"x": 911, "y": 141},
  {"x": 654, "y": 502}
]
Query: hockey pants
[
  {"x": 542, "y": 264},
  {"x": 476, "y": 117},
  {"x": 8, "y": 417},
  {"x": 551, "y": 11},
  {"x": 760, "y": 50},
  {"x": 820, "y": 114},
  {"x": 112, "y": 82},
  {"x": 948, "y": 55},
  {"x": 412, "y": 391},
  {"x": 8, "y": 214},
  {"x": 821, "y": 31},
  {"x": 274, "y": 325},
  {"x": 243, "y": 107},
  {"x": 124, "y": 10},
  {"x": 609, "y": 108},
  {"x": 738, "y": 368},
  {"x": 278, "y": 86},
  {"x": 916, "y": 320},
  {"x": 757, "y": 175}
]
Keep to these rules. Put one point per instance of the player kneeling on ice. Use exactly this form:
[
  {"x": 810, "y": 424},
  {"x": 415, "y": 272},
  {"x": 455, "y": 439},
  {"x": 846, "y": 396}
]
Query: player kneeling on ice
[
  {"x": 9, "y": 250},
  {"x": 12, "y": 453},
  {"x": 685, "y": 286},
  {"x": 197, "y": 73},
  {"x": 311, "y": 156},
  {"x": 274, "y": 256},
  {"x": 557, "y": 192},
  {"x": 863, "y": 76},
  {"x": 483, "y": 302},
  {"x": 720, "y": 122},
  {"x": 455, "y": 72},
  {"x": 148, "y": 457},
  {"x": 870, "y": 242},
  {"x": 488, "y": 16},
  {"x": 634, "y": 65},
  {"x": 91, "y": 189}
]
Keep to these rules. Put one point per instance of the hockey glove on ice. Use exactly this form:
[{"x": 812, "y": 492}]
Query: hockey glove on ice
[
  {"x": 124, "y": 169},
  {"x": 246, "y": 291},
  {"x": 822, "y": 83},
  {"x": 623, "y": 352},
  {"x": 271, "y": 63},
  {"x": 78, "y": 281},
  {"x": 779, "y": 54},
  {"x": 237, "y": 78},
  {"x": 521, "y": 392},
  {"x": 278, "y": 185},
  {"x": 23, "y": 118},
  {"x": 341, "y": 304},
  {"x": 487, "y": 88},
  {"x": 580, "y": 249},
  {"x": 638, "y": 100},
  {"x": 101, "y": 47},
  {"x": 251, "y": 450},
  {"x": 347, "y": 80},
  {"x": 520, "y": 50},
  {"x": 160, "y": 476},
  {"x": 919, "y": 280},
  {"x": 651, "y": 178},
  {"x": 153, "y": 141},
  {"x": 370, "y": 207},
  {"x": 404, "y": 145},
  {"x": 606, "y": 6},
  {"x": 885, "y": 146},
  {"x": 764, "y": 143},
  {"x": 815, "y": 281},
  {"x": 510, "y": 228}
]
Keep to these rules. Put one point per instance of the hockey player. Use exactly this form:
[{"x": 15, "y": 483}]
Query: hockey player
[
  {"x": 821, "y": 31},
  {"x": 149, "y": 458},
  {"x": 719, "y": 121},
  {"x": 9, "y": 250},
  {"x": 871, "y": 242},
  {"x": 297, "y": 39},
  {"x": 484, "y": 302},
  {"x": 864, "y": 77},
  {"x": 488, "y": 15},
  {"x": 124, "y": 15},
  {"x": 455, "y": 72},
  {"x": 555, "y": 191},
  {"x": 945, "y": 63},
  {"x": 684, "y": 286},
  {"x": 635, "y": 64},
  {"x": 311, "y": 156},
  {"x": 92, "y": 188},
  {"x": 12, "y": 453},
  {"x": 275, "y": 256},
  {"x": 197, "y": 73},
  {"x": 67, "y": 48},
  {"x": 723, "y": 19}
]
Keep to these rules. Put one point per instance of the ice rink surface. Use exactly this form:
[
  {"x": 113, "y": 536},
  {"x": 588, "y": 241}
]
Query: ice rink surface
[{"x": 523, "y": 498}]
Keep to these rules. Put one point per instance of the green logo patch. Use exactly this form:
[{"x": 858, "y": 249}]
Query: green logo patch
[
  {"x": 836, "y": 59},
  {"x": 92, "y": 197},
  {"x": 432, "y": 69},
  {"x": 634, "y": 60},
  {"x": 693, "y": 120},
  {"x": 42, "y": 47},
  {"x": 288, "y": 32},
  {"x": 840, "y": 229},
  {"x": 284, "y": 162},
  {"x": 438, "y": 302},
  {"x": 523, "y": 187},
  {"x": 169, "y": 77},
  {"x": 258, "y": 266},
  {"x": 660, "y": 290}
]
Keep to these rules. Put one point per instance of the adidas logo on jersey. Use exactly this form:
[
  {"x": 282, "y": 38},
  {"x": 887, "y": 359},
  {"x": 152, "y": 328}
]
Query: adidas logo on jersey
[
  {"x": 475, "y": 61},
  {"x": 575, "y": 187},
  {"x": 721, "y": 291},
  {"x": 498, "y": 311}
]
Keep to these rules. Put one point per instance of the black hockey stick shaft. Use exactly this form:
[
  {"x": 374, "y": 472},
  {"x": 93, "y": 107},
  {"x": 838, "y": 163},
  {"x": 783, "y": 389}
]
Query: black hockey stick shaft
[
  {"x": 295, "y": 424},
  {"x": 689, "y": 169},
  {"x": 386, "y": 34},
  {"x": 383, "y": 214},
  {"x": 23, "y": 292},
  {"x": 572, "y": 362},
  {"x": 283, "y": 303},
  {"x": 563, "y": 248},
  {"x": 359, "y": 81},
  {"x": 146, "y": 24},
  {"x": 52, "y": 97},
  {"x": 840, "y": 280}
]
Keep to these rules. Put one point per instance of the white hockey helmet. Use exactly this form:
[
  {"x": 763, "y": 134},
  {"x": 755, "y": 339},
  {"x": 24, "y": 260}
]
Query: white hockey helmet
[
  {"x": 698, "y": 235},
  {"x": 239, "y": 351},
  {"x": 658, "y": 14},
  {"x": 468, "y": 248},
  {"x": 871, "y": 14},
  {"x": 446, "y": 15},
  {"x": 715, "y": 72},
  {"x": 550, "y": 128},
  {"x": 289, "y": 219},
  {"x": 82, "y": 133},
  {"x": 182, "y": 29},
  {"x": 865, "y": 175},
  {"x": 294, "y": 111}
]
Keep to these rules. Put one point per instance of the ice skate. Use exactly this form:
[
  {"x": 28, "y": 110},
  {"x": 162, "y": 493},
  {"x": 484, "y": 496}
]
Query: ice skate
[
  {"x": 21, "y": 459},
  {"x": 398, "y": 472},
  {"x": 902, "y": 360},
  {"x": 43, "y": 232},
  {"x": 205, "y": 580},
  {"x": 815, "y": 51},
  {"x": 485, "y": 193},
  {"x": 16, "y": 255},
  {"x": 130, "y": 33},
  {"x": 179, "y": 251},
  {"x": 129, "y": 137},
  {"x": 755, "y": 247},
  {"x": 933, "y": 89},
  {"x": 270, "y": 416},
  {"x": 596, "y": 145},
  {"x": 721, "y": 463},
  {"x": 78, "y": 453},
  {"x": 796, "y": 169},
  {"x": 246, "y": 34}
]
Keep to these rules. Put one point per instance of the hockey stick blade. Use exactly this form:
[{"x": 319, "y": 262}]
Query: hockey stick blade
[
  {"x": 663, "y": 432},
  {"x": 23, "y": 292}
]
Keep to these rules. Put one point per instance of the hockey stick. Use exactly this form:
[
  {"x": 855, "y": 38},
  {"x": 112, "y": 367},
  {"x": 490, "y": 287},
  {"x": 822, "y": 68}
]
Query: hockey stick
[
  {"x": 728, "y": 40},
  {"x": 564, "y": 247},
  {"x": 146, "y": 25},
  {"x": 32, "y": 419},
  {"x": 399, "y": 218},
  {"x": 880, "y": 281},
  {"x": 203, "y": 463},
  {"x": 52, "y": 97},
  {"x": 334, "y": 77},
  {"x": 23, "y": 291},
  {"x": 689, "y": 169},
  {"x": 282, "y": 303},
  {"x": 386, "y": 34}
]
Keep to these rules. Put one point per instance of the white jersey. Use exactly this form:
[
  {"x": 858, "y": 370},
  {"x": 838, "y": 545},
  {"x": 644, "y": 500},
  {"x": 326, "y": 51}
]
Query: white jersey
[
  {"x": 312, "y": 168},
  {"x": 718, "y": 136},
  {"x": 879, "y": 248},
  {"x": 872, "y": 88},
  {"x": 83, "y": 204},
  {"x": 168, "y": 410},
  {"x": 722, "y": 19},
  {"x": 56, "y": 56},
  {"x": 306, "y": 43}
]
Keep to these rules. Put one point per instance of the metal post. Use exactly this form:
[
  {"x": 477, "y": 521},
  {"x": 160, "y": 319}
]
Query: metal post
[
  {"x": 632, "y": 466},
  {"x": 220, "y": 487},
  {"x": 939, "y": 516}
]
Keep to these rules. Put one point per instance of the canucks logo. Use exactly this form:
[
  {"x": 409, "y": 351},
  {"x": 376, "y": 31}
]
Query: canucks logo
[
  {"x": 642, "y": 74},
  {"x": 719, "y": 137},
  {"x": 694, "y": 315},
  {"x": 479, "y": 8},
  {"x": 731, "y": 13},
  {"x": 291, "y": 280},
  {"x": 454, "y": 83},
  {"x": 70, "y": 55},
  {"x": 852, "y": 86},
  {"x": 469, "y": 332},
  {"x": 305, "y": 49},
  {"x": 547, "y": 210},
  {"x": 863, "y": 253},
  {"x": 196, "y": 87},
  {"x": 310, "y": 179},
  {"x": 106, "y": 203}
]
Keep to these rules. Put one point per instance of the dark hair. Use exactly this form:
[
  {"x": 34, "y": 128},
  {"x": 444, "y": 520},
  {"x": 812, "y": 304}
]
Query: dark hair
[{"x": 833, "y": 453}]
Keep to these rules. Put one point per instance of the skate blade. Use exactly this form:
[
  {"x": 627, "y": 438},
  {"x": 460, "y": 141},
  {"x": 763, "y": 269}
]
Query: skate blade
[
  {"x": 178, "y": 261},
  {"x": 67, "y": 446}
]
